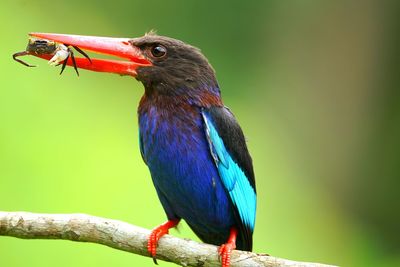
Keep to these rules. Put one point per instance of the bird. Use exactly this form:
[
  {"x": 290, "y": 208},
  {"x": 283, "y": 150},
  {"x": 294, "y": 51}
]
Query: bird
[{"x": 191, "y": 142}]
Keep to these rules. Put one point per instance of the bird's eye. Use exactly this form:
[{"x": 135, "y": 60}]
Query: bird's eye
[{"x": 158, "y": 51}]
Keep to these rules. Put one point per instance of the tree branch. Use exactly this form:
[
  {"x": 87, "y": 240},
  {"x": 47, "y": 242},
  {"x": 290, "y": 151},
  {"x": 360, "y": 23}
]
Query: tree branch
[{"x": 127, "y": 237}]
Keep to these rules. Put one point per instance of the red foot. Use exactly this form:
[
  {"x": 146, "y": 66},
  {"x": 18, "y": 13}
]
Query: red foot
[
  {"x": 156, "y": 234},
  {"x": 225, "y": 250}
]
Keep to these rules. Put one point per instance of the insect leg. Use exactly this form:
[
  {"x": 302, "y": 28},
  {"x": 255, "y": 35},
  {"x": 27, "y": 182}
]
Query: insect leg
[
  {"x": 83, "y": 53},
  {"x": 74, "y": 62},
  {"x": 64, "y": 64},
  {"x": 23, "y": 53}
]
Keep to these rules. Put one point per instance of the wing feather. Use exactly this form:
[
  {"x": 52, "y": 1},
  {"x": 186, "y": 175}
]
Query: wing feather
[{"x": 234, "y": 164}]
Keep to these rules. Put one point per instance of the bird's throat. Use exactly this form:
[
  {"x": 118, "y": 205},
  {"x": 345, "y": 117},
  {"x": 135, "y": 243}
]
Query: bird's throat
[{"x": 180, "y": 97}]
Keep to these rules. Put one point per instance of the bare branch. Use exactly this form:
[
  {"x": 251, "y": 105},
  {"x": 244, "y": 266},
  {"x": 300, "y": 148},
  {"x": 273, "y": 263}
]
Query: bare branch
[{"x": 127, "y": 237}]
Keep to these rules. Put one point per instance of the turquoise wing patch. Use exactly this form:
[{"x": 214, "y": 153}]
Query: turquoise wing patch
[{"x": 233, "y": 178}]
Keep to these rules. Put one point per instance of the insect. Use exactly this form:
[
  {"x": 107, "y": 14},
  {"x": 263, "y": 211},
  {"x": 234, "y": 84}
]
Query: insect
[{"x": 60, "y": 53}]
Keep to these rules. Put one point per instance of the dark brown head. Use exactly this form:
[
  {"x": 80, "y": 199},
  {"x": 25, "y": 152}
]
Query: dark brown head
[{"x": 177, "y": 68}]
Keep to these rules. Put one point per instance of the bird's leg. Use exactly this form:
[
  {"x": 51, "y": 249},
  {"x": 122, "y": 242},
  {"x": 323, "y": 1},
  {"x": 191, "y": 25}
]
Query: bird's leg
[
  {"x": 156, "y": 234},
  {"x": 225, "y": 250}
]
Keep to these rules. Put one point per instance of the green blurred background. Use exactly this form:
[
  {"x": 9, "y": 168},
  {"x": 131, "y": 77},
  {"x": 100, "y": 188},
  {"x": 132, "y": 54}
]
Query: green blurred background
[{"x": 314, "y": 85}]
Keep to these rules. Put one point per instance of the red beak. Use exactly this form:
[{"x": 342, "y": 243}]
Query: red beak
[{"x": 119, "y": 47}]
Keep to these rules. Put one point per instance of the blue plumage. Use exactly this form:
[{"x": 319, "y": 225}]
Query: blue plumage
[{"x": 180, "y": 147}]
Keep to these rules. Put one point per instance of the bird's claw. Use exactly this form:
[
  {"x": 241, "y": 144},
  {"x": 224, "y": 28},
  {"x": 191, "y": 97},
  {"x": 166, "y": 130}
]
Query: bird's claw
[
  {"x": 156, "y": 234},
  {"x": 225, "y": 252},
  {"x": 152, "y": 242}
]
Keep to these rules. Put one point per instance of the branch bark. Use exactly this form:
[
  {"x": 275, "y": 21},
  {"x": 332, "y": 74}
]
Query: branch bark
[{"x": 127, "y": 237}]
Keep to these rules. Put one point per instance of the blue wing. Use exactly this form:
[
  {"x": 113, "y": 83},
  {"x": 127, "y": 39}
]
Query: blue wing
[{"x": 229, "y": 151}]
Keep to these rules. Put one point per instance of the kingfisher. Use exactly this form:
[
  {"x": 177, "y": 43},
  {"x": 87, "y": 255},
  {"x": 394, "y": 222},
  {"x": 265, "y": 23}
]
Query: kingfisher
[{"x": 191, "y": 142}]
